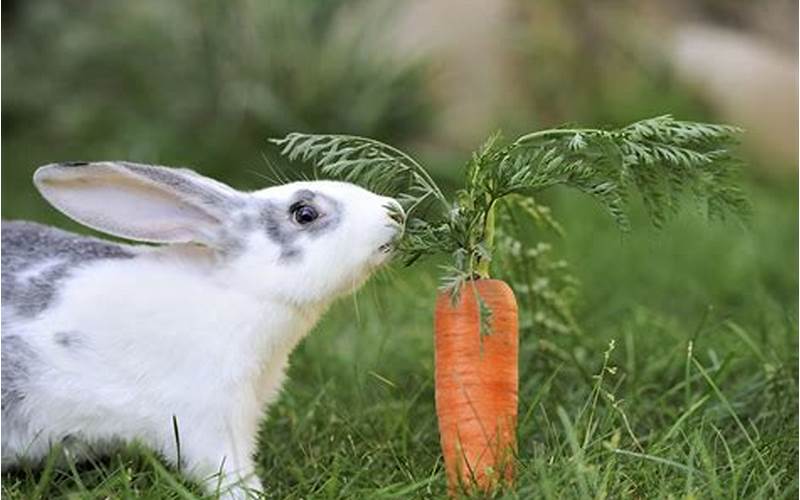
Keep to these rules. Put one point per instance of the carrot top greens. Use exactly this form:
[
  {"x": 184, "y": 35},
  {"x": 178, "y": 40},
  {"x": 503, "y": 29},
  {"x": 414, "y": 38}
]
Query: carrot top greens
[{"x": 660, "y": 159}]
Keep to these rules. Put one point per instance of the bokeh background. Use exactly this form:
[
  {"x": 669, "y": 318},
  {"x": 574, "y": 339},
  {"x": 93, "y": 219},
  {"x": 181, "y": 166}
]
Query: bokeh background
[{"x": 205, "y": 84}]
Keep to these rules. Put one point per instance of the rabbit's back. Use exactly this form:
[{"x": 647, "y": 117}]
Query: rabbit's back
[{"x": 36, "y": 258}]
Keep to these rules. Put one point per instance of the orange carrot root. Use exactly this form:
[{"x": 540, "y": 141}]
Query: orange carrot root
[{"x": 476, "y": 385}]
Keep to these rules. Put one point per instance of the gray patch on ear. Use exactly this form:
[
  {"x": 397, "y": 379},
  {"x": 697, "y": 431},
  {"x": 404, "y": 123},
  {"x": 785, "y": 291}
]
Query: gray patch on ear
[
  {"x": 69, "y": 339},
  {"x": 17, "y": 360},
  {"x": 188, "y": 182},
  {"x": 37, "y": 258}
]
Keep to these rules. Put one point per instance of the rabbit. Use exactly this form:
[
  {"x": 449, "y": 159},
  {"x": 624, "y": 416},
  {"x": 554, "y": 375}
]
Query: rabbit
[{"x": 106, "y": 343}]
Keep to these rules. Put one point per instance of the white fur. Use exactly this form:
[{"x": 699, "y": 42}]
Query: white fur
[{"x": 185, "y": 330}]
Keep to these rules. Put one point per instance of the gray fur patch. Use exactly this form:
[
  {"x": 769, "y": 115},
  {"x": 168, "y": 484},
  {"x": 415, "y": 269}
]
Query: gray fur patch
[
  {"x": 36, "y": 258},
  {"x": 305, "y": 195},
  {"x": 279, "y": 228},
  {"x": 17, "y": 359},
  {"x": 69, "y": 339}
]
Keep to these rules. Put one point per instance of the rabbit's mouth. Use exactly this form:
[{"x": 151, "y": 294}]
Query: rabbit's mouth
[
  {"x": 385, "y": 252},
  {"x": 390, "y": 245}
]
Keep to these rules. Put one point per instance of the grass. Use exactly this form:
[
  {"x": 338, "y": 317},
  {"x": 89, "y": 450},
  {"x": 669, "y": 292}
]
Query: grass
[{"x": 682, "y": 385}]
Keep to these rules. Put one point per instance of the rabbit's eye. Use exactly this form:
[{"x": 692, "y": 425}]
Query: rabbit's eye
[{"x": 305, "y": 214}]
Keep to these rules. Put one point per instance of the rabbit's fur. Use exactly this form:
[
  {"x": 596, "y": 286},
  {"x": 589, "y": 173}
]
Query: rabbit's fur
[{"x": 105, "y": 342}]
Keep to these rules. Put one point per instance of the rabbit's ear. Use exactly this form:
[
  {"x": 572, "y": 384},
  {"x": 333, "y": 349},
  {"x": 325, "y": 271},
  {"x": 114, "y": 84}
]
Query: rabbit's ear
[{"x": 139, "y": 202}]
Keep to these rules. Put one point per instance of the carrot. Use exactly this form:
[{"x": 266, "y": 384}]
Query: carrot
[{"x": 476, "y": 385}]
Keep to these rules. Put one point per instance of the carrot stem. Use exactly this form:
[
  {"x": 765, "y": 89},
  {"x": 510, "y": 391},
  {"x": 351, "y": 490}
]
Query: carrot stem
[{"x": 483, "y": 268}]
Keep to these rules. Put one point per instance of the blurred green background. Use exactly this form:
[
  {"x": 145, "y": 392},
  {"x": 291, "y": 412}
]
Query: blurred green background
[{"x": 204, "y": 84}]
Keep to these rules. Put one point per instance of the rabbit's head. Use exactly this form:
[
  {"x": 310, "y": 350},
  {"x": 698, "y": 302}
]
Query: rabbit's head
[{"x": 304, "y": 242}]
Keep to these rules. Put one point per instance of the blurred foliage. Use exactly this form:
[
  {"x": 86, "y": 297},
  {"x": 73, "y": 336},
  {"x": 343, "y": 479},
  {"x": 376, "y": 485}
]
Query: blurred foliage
[
  {"x": 200, "y": 83},
  {"x": 586, "y": 63}
]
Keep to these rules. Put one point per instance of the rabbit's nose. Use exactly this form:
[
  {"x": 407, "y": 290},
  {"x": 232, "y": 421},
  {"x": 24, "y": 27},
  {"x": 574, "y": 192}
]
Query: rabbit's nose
[{"x": 395, "y": 212}]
